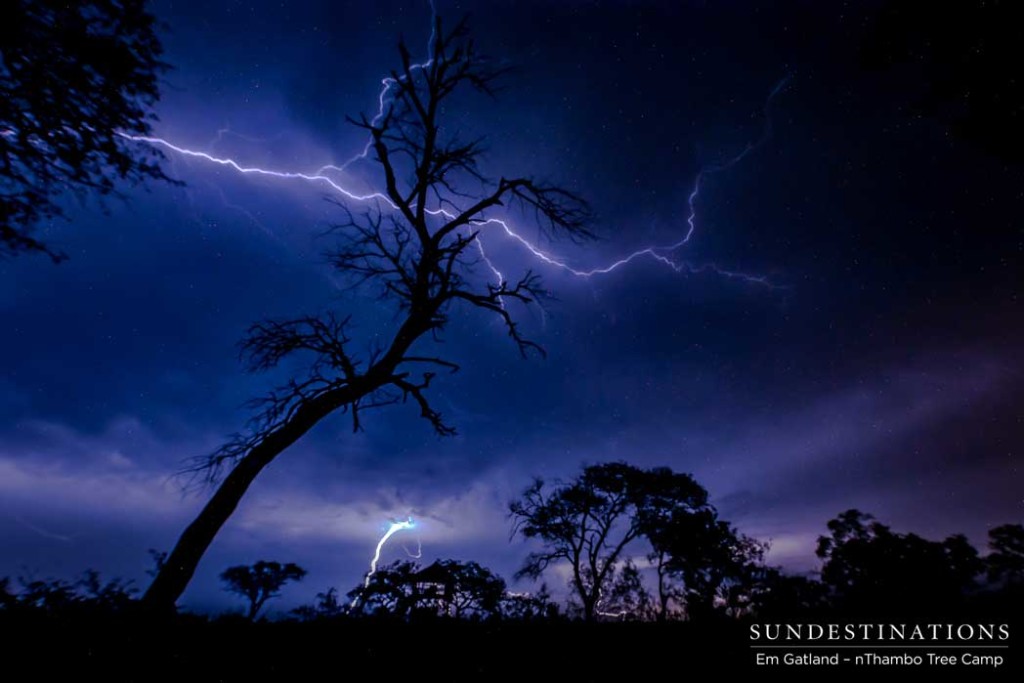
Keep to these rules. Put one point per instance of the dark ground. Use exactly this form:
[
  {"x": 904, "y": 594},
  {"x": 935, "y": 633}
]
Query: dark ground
[{"x": 125, "y": 648}]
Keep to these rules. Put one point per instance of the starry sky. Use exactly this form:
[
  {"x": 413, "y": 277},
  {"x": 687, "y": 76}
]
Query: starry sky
[{"x": 879, "y": 367}]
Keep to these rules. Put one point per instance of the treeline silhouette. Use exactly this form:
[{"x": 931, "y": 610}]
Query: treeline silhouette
[
  {"x": 867, "y": 570},
  {"x": 637, "y": 545},
  {"x": 665, "y": 573},
  {"x": 463, "y": 618}
]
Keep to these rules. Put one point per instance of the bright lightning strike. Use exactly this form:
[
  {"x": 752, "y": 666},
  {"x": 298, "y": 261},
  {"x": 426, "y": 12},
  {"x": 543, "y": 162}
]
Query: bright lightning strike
[
  {"x": 392, "y": 530},
  {"x": 663, "y": 254},
  {"x": 395, "y": 527},
  {"x": 315, "y": 177},
  {"x": 387, "y": 83}
]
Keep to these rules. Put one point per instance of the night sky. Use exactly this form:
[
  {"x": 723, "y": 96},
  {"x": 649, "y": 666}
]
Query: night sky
[{"x": 879, "y": 368}]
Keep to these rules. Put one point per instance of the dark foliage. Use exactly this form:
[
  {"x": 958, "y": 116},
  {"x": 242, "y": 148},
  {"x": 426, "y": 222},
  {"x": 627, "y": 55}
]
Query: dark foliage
[
  {"x": 590, "y": 521},
  {"x": 870, "y": 568},
  {"x": 86, "y": 627},
  {"x": 447, "y": 588},
  {"x": 260, "y": 582},
  {"x": 529, "y": 606},
  {"x": 776, "y": 596},
  {"x": 89, "y": 594},
  {"x": 76, "y": 78},
  {"x": 1006, "y": 561},
  {"x": 327, "y": 606}
]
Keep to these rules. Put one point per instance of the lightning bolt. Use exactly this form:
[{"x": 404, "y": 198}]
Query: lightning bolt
[
  {"x": 419, "y": 550},
  {"x": 663, "y": 254},
  {"x": 392, "y": 530},
  {"x": 387, "y": 83}
]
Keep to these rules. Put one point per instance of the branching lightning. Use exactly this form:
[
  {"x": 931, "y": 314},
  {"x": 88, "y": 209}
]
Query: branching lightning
[
  {"x": 663, "y": 254},
  {"x": 419, "y": 550}
]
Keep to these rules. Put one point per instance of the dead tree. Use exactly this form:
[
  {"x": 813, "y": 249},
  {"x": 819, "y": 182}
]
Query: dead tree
[{"x": 416, "y": 244}]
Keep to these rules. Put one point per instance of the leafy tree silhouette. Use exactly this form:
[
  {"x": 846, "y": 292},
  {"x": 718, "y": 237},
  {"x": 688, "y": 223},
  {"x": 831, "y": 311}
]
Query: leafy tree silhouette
[
  {"x": 529, "y": 606},
  {"x": 420, "y": 263},
  {"x": 75, "y": 77},
  {"x": 48, "y": 595},
  {"x": 1006, "y": 561},
  {"x": 627, "y": 599},
  {"x": 326, "y": 606},
  {"x": 260, "y": 582},
  {"x": 469, "y": 588},
  {"x": 776, "y": 595},
  {"x": 589, "y": 522},
  {"x": 390, "y": 590},
  {"x": 444, "y": 588},
  {"x": 89, "y": 594},
  {"x": 8, "y": 599},
  {"x": 701, "y": 559},
  {"x": 871, "y": 569}
]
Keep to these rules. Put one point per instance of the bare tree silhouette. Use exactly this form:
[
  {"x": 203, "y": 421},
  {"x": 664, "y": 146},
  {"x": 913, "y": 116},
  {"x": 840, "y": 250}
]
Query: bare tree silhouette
[{"x": 420, "y": 261}]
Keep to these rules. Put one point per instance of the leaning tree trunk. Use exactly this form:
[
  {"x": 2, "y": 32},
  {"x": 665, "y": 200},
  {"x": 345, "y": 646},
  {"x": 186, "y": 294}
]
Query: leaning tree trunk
[
  {"x": 180, "y": 565},
  {"x": 177, "y": 571}
]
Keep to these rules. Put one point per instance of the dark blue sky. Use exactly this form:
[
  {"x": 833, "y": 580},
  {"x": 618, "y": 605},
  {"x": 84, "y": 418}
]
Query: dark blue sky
[{"x": 880, "y": 370}]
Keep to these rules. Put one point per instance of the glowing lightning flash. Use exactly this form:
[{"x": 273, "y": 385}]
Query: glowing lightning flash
[
  {"x": 392, "y": 530},
  {"x": 662, "y": 254}
]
